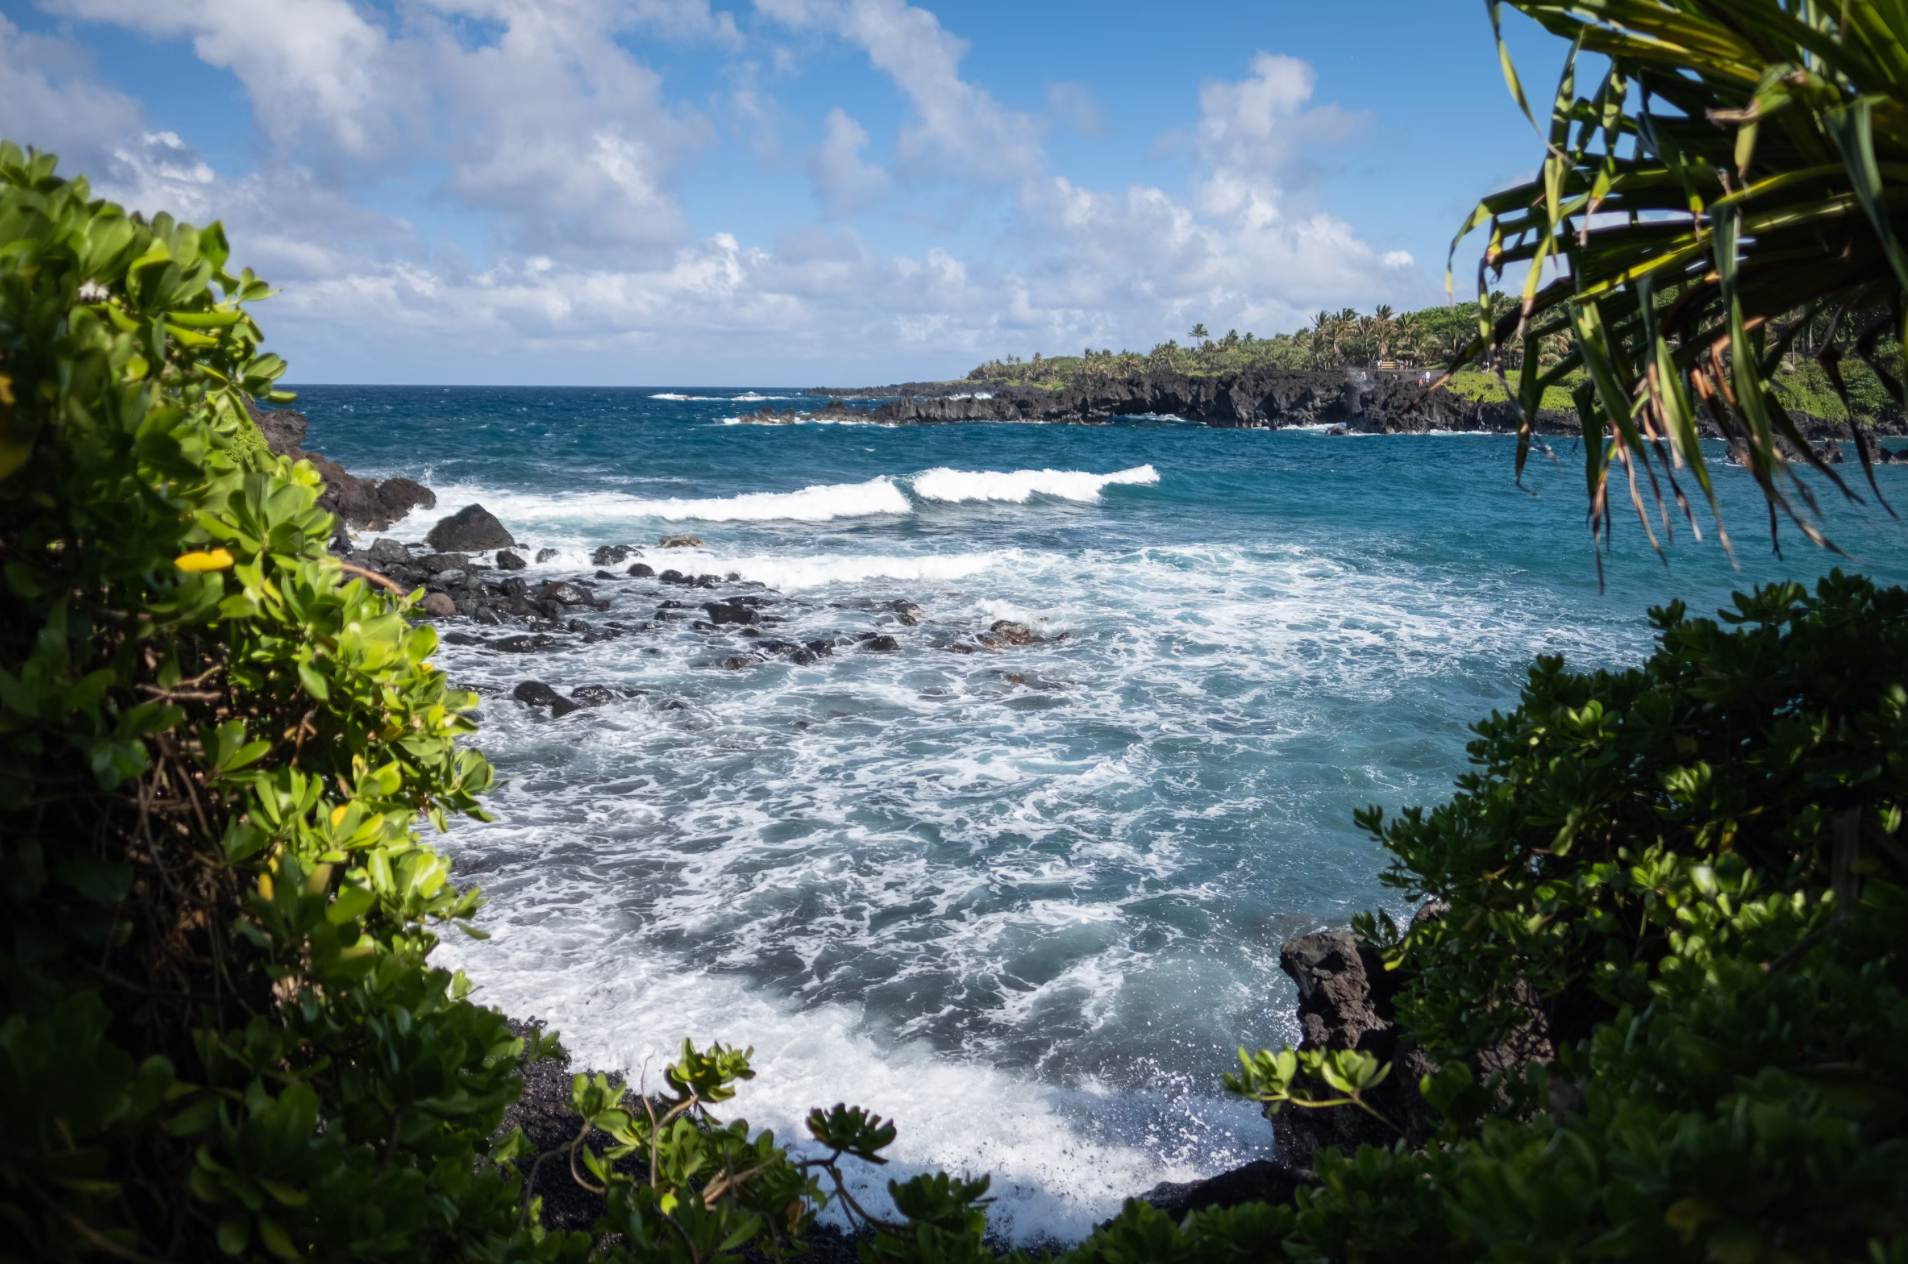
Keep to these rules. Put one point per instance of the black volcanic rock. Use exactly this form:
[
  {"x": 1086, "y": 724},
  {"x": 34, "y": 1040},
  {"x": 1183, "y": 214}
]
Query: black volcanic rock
[
  {"x": 471, "y": 529},
  {"x": 535, "y": 693}
]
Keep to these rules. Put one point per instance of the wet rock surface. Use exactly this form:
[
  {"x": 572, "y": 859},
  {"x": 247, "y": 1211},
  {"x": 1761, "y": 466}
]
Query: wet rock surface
[{"x": 471, "y": 529}]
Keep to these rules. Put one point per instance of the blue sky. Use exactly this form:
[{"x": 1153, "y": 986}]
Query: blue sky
[{"x": 755, "y": 192}]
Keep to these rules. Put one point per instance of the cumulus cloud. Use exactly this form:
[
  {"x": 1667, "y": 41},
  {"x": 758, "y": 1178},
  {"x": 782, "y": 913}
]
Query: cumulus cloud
[
  {"x": 843, "y": 182},
  {"x": 50, "y": 99},
  {"x": 535, "y": 117},
  {"x": 960, "y": 129},
  {"x": 551, "y": 125}
]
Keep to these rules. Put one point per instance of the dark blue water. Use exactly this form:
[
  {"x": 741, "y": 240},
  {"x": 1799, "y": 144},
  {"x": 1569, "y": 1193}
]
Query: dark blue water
[{"x": 1026, "y": 900}]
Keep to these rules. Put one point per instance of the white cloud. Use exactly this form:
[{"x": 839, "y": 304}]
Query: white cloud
[
  {"x": 843, "y": 182},
  {"x": 50, "y": 100},
  {"x": 316, "y": 71},
  {"x": 538, "y": 119},
  {"x": 961, "y": 130},
  {"x": 551, "y": 125}
]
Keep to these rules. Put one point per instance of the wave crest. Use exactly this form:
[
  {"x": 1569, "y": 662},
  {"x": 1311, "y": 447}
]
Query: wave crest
[
  {"x": 821, "y": 503},
  {"x": 945, "y": 484}
]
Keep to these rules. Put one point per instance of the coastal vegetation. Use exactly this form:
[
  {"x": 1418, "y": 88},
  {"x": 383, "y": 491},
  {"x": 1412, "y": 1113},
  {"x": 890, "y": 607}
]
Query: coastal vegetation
[{"x": 1661, "y": 989}]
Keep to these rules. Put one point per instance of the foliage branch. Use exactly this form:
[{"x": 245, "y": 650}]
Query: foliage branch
[{"x": 1729, "y": 183}]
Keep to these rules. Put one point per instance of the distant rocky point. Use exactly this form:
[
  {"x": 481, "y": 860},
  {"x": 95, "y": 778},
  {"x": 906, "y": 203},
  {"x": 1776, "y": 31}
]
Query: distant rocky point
[{"x": 1353, "y": 401}]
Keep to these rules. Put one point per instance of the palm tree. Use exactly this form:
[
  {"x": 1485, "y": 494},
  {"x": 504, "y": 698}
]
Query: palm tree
[
  {"x": 1736, "y": 164},
  {"x": 1383, "y": 327},
  {"x": 1199, "y": 333}
]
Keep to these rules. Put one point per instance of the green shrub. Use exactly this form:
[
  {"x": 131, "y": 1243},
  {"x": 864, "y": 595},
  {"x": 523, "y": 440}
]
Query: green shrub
[{"x": 1689, "y": 876}]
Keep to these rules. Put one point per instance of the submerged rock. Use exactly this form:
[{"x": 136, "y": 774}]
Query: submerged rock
[
  {"x": 544, "y": 555},
  {"x": 611, "y": 555},
  {"x": 537, "y": 694},
  {"x": 1007, "y": 632},
  {"x": 642, "y": 571},
  {"x": 680, "y": 542}
]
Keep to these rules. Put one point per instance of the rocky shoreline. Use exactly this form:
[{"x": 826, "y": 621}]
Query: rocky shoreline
[{"x": 1361, "y": 401}]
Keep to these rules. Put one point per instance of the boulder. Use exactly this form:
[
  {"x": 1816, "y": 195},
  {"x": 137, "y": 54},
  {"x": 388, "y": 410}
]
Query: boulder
[
  {"x": 642, "y": 571},
  {"x": 907, "y": 612},
  {"x": 469, "y": 530},
  {"x": 673, "y": 577},
  {"x": 883, "y": 644},
  {"x": 535, "y": 693},
  {"x": 592, "y": 696},
  {"x": 680, "y": 542},
  {"x": 730, "y": 612},
  {"x": 452, "y": 578},
  {"x": 438, "y": 606},
  {"x": 544, "y": 555},
  {"x": 398, "y": 496},
  {"x": 611, "y": 555},
  {"x": 388, "y": 552},
  {"x": 506, "y": 560},
  {"x": 437, "y": 563},
  {"x": 565, "y": 593}
]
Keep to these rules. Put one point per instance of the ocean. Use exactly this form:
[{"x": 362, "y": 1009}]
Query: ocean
[{"x": 1026, "y": 901}]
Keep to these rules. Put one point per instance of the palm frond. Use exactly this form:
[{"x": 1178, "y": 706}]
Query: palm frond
[{"x": 1736, "y": 163}]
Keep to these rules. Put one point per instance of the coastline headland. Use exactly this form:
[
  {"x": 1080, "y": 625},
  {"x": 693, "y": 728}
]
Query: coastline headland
[{"x": 1362, "y": 401}]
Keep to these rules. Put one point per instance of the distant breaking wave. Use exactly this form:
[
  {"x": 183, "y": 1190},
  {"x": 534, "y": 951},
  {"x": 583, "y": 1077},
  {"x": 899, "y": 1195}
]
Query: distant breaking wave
[
  {"x": 957, "y": 485},
  {"x": 821, "y": 503},
  {"x": 746, "y": 396}
]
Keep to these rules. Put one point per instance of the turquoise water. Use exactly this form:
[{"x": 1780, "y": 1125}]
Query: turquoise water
[{"x": 1025, "y": 901}]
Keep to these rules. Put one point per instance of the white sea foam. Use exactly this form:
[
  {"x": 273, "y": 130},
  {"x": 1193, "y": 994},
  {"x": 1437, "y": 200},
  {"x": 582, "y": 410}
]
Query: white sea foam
[
  {"x": 819, "y": 503},
  {"x": 945, "y": 484},
  {"x": 1057, "y": 1163},
  {"x": 750, "y": 397},
  {"x": 978, "y": 893},
  {"x": 796, "y": 573},
  {"x": 582, "y": 516}
]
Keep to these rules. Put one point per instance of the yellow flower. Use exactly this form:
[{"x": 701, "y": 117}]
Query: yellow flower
[{"x": 204, "y": 560}]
